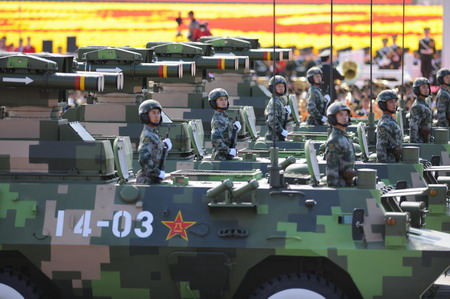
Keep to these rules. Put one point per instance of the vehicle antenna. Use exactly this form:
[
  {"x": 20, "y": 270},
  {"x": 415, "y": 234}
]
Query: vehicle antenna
[
  {"x": 275, "y": 178},
  {"x": 371, "y": 120},
  {"x": 331, "y": 55}
]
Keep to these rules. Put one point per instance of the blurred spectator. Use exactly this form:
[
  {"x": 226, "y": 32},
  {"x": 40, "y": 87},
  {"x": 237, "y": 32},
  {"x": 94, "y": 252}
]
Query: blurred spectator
[
  {"x": 395, "y": 53},
  {"x": 325, "y": 60},
  {"x": 193, "y": 25},
  {"x": 29, "y": 48},
  {"x": 202, "y": 30},
  {"x": 59, "y": 50},
  {"x": 3, "y": 44},
  {"x": 383, "y": 55},
  {"x": 20, "y": 48},
  {"x": 426, "y": 50},
  {"x": 179, "y": 21},
  {"x": 303, "y": 62}
]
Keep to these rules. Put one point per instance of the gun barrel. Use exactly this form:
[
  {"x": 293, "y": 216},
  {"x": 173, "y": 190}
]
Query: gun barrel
[
  {"x": 155, "y": 70},
  {"x": 286, "y": 54},
  {"x": 111, "y": 80},
  {"x": 218, "y": 62},
  {"x": 188, "y": 67},
  {"x": 91, "y": 82},
  {"x": 243, "y": 62},
  {"x": 265, "y": 54}
]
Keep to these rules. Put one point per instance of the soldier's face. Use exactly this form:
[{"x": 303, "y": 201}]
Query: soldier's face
[
  {"x": 446, "y": 79},
  {"x": 342, "y": 117},
  {"x": 154, "y": 115},
  {"x": 424, "y": 89},
  {"x": 279, "y": 88},
  {"x": 391, "y": 104},
  {"x": 317, "y": 78},
  {"x": 222, "y": 102}
]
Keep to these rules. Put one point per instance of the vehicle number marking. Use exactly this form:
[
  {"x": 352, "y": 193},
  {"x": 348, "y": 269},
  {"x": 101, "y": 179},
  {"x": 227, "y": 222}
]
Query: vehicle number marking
[{"x": 121, "y": 225}]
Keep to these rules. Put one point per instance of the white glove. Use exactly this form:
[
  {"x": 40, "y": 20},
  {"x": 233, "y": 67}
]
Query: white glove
[
  {"x": 162, "y": 174},
  {"x": 327, "y": 98},
  {"x": 237, "y": 124},
  {"x": 284, "y": 133},
  {"x": 324, "y": 119},
  {"x": 288, "y": 109},
  {"x": 232, "y": 152},
  {"x": 168, "y": 143}
]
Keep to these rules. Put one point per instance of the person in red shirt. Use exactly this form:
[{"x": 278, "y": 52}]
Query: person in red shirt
[
  {"x": 29, "y": 48},
  {"x": 20, "y": 48},
  {"x": 202, "y": 30}
]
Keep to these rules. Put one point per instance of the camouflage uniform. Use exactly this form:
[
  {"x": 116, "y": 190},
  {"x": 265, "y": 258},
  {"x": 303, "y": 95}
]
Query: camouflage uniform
[
  {"x": 279, "y": 118},
  {"x": 443, "y": 106},
  {"x": 316, "y": 106},
  {"x": 389, "y": 138},
  {"x": 221, "y": 133},
  {"x": 340, "y": 157},
  {"x": 420, "y": 118},
  {"x": 150, "y": 155}
]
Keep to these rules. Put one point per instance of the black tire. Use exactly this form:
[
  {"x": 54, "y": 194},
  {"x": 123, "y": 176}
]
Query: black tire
[
  {"x": 300, "y": 284},
  {"x": 20, "y": 283}
]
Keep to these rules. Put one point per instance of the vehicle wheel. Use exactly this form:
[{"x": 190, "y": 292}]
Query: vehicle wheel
[
  {"x": 14, "y": 285},
  {"x": 297, "y": 285}
]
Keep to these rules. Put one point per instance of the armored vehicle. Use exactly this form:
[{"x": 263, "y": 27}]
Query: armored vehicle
[{"x": 73, "y": 227}]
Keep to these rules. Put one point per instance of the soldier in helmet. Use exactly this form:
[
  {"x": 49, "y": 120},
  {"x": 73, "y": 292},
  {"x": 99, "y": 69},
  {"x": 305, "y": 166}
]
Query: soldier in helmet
[
  {"x": 317, "y": 102},
  {"x": 278, "y": 88},
  {"x": 443, "y": 98},
  {"x": 389, "y": 134},
  {"x": 339, "y": 153},
  {"x": 420, "y": 113},
  {"x": 151, "y": 147},
  {"x": 221, "y": 126}
]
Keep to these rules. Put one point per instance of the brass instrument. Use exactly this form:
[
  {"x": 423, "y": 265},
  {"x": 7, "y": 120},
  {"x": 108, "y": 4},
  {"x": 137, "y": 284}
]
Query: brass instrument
[{"x": 351, "y": 70}]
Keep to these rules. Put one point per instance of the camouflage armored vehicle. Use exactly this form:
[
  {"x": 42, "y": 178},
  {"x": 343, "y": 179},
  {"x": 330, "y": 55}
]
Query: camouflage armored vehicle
[
  {"x": 73, "y": 227},
  {"x": 115, "y": 114}
]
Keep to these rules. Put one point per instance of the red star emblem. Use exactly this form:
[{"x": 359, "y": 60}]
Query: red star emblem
[{"x": 178, "y": 227}]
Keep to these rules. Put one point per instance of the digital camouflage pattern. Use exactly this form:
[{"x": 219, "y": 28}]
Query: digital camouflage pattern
[
  {"x": 317, "y": 106},
  {"x": 389, "y": 139},
  {"x": 443, "y": 106},
  {"x": 279, "y": 116},
  {"x": 150, "y": 155},
  {"x": 420, "y": 118},
  {"x": 221, "y": 133},
  {"x": 340, "y": 157}
]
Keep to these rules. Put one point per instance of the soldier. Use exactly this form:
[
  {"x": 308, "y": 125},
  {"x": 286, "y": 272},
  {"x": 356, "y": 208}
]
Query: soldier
[
  {"x": 389, "y": 134},
  {"x": 443, "y": 98},
  {"x": 223, "y": 132},
  {"x": 278, "y": 87},
  {"x": 317, "y": 103},
  {"x": 420, "y": 114},
  {"x": 339, "y": 153},
  {"x": 151, "y": 148}
]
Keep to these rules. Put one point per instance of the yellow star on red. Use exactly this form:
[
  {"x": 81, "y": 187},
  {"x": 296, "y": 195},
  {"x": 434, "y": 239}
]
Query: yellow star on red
[{"x": 178, "y": 227}]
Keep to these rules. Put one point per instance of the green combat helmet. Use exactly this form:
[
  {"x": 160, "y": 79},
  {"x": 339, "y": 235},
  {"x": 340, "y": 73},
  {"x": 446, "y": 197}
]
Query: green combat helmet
[
  {"x": 417, "y": 83},
  {"x": 335, "y": 108},
  {"x": 277, "y": 79},
  {"x": 145, "y": 107},
  {"x": 214, "y": 95},
  {"x": 385, "y": 96},
  {"x": 312, "y": 72},
  {"x": 441, "y": 74}
]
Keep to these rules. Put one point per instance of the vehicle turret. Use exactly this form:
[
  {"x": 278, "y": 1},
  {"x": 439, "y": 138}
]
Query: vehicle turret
[{"x": 134, "y": 63}]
